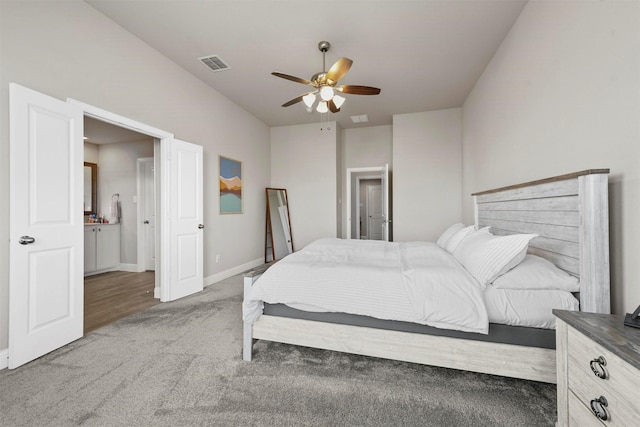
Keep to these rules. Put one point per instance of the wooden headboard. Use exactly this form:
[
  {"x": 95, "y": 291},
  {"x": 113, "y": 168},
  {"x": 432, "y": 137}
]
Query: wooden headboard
[{"x": 570, "y": 213}]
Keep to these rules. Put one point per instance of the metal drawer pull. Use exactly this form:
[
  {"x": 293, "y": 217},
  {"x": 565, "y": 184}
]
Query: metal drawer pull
[
  {"x": 598, "y": 407},
  {"x": 597, "y": 366},
  {"x": 25, "y": 240}
]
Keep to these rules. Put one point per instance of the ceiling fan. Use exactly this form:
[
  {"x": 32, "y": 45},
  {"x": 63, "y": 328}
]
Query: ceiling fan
[{"x": 326, "y": 85}]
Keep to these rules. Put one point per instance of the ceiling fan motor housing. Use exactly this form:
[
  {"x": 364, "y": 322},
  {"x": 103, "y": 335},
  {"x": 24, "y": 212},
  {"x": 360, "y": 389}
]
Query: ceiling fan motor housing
[
  {"x": 324, "y": 46},
  {"x": 319, "y": 79}
]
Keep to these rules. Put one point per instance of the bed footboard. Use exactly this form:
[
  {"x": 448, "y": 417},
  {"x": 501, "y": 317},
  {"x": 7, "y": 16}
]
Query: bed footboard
[{"x": 247, "y": 328}]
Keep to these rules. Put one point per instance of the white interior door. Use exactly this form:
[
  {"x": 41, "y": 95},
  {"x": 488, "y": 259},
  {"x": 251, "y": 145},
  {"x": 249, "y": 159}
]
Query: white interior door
[
  {"x": 186, "y": 219},
  {"x": 46, "y": 288},
  {"x": 386, "y": 221},
  {"x": 374, "y": 212}
]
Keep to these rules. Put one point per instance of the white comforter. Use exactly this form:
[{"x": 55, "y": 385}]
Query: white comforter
[{"x": 414, "y": 282}]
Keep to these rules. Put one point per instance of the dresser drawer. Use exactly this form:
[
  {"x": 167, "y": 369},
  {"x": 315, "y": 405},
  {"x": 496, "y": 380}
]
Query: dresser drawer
[
  {"x": 580, "y": 415},
  {"x": 619, "y": 388}
]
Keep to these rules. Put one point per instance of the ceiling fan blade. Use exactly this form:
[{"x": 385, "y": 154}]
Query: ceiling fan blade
[
  {"x": 358, "y": 90},
  {"x": 338, "y": 70},
  {"x": 293, "y": 101},
  {"x": 292, "y": 78},
  {"x": 332, "y": 106}
]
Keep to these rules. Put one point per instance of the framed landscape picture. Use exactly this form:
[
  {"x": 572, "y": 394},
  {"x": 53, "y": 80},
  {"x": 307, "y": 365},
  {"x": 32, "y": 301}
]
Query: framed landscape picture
[{"x": 230, "y": 186}]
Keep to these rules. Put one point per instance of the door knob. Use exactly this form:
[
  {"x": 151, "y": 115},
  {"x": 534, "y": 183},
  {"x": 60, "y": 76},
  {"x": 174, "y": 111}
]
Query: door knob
[
  {"x": 25, "y": 240},
  {"x": 146, "y": 221},
  {"x": 201, "y": 226}
]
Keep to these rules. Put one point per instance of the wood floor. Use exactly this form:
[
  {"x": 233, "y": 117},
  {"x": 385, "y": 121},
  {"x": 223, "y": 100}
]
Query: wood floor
[{"x": 111, "y": 296}]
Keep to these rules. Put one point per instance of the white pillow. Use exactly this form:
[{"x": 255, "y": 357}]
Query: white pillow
[
  {"x": 487, "y": 257},
  {"x": 444, "y": 237},
  {"x": 537, "y": 273},
  {"x": 457, "y": 237}
]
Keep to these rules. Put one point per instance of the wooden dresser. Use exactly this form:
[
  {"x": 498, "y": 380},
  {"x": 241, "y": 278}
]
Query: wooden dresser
[{"x": 598, "y": 365}]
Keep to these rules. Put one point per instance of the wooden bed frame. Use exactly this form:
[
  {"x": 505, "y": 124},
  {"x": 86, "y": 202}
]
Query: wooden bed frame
[{"x": 568, "y": 212}]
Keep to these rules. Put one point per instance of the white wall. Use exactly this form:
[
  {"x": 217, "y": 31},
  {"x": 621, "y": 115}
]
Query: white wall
[
  {"x": 562, "y": 94},
  {"x": 427, "y": 173},
  {"x": 68, "y": 49},
  {"x": 304, "y": 160},
  {"x": 362, "y": 147}
]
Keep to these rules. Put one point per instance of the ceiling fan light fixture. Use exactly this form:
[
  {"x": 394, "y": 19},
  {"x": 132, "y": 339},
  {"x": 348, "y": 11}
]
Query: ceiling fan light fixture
[
  {"x": 338, "y": 101},
  {"x": 325, "y": 84},
  {"x": 309, "y": 99},
  {"x": 326, "y": 93},
  {"x": 322, "y": 107}
]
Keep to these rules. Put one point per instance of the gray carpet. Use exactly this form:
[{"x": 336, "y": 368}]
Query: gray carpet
[{"x": 179, "y": 364}]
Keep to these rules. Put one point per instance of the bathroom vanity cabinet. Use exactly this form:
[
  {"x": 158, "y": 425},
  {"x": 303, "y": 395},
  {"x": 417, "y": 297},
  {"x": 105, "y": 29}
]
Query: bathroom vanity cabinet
[{"x": 101, "y": 248}]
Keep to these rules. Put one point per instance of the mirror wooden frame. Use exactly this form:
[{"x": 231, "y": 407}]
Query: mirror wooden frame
[
  {"x": 94, "y": 187},
  {"x": 270, "y": 251}
]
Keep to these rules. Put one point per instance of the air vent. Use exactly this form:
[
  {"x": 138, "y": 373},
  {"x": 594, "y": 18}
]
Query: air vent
[
  {"x": 214, "y": 63},
  {"x": 360, "y": 119}
]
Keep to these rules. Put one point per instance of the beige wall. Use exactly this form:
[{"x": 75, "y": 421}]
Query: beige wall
[
  {"x": 117, "y": 174},
  {"x": 361, "y": 148},
  {"x": 366, "y": 147},
  {"x": 562, "y": 94},
  {"x": 68, "y": 49},
  {"x": 91, "y": 152},
  {"x": 304, "y": 160},
  {"x": 427, "y": 173}
]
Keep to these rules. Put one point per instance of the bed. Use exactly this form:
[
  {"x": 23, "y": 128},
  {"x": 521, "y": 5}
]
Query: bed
[{"x": 569, "y": 215}]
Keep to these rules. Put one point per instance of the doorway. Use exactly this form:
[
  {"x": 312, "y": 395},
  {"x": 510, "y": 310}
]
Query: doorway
[
  {"x": 368, "y": 203},
  {"x": 125, "y": 187}
]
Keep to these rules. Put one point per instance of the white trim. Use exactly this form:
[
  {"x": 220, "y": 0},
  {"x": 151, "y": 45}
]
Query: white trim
[
  {"x": 104, "y": 270},
  {"x": 4, "y": 359},
  {"x": 120, "y": 121},
  {"x": 131, "y": 268},
  {"x": 214, "y": 278},
  {"x": 163, "y": 224},
  {"x": 157, "y": 172}
]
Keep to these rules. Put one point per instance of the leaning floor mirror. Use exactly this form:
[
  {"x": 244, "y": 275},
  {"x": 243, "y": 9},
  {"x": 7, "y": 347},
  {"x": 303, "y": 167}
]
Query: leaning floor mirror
[{"x": 278, "y": 240}]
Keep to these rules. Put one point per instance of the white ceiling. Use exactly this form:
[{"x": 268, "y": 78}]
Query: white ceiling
[{"x": 424, "y": 54}]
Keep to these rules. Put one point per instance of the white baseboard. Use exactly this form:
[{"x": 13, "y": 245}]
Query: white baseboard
[
  {"x": 214, "y": 278},
  {"x": 4, "y": 358},
  {"x": 131, "y": 268}
]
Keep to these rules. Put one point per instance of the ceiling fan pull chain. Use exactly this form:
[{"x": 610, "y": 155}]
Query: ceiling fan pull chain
[{"x": 325, "y": 117}]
